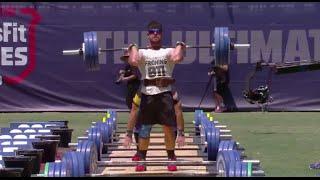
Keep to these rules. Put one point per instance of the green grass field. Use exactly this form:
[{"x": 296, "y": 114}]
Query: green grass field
[{"x": 285, "y": 142}]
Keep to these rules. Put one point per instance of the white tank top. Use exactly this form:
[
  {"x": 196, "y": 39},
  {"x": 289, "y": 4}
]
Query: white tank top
[{"x": 155, "y": 64}]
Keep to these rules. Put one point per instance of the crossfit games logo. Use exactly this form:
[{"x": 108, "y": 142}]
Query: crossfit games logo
[{"x": 17, "y": 43}]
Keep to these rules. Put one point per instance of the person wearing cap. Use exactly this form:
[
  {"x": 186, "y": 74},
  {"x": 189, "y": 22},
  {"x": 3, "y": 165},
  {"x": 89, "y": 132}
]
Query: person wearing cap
[{"x": 131, "y": 76}]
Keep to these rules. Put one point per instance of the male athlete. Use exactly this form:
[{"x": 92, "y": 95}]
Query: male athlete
[{"x": 156, "y": 65}]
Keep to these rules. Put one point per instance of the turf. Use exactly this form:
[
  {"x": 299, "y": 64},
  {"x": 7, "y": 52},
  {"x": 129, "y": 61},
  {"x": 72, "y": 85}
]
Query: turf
[{"x": 285, "y": 142}]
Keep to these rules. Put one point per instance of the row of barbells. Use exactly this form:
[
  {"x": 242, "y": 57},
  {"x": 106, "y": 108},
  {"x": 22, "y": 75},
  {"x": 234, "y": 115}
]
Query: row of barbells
[{"x": 88, "y": 156}]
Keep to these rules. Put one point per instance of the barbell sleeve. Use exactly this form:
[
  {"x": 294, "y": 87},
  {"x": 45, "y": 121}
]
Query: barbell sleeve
[
  {"x": 241, "y": 45},
  {"x": 253, "y": 161},
  {"x": 72, "y": 52}
]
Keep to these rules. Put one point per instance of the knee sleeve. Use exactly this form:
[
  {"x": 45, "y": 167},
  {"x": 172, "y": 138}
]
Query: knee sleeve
[{"x": 145, "y": 131}]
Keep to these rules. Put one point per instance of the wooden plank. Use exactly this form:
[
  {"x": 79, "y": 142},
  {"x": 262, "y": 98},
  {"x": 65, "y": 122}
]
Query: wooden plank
[{"x": 200, "y": 170}]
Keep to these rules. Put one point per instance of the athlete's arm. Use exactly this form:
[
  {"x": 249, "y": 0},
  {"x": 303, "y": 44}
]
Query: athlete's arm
[{"x": 177, "y": 53}]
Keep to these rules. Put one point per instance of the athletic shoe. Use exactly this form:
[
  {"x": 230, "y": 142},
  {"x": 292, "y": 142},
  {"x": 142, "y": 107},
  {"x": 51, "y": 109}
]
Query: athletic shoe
[
  {"x": 172, "y": 165},
  {"x": 136, "y": 157},
  {"x": 141, "y": 167}
]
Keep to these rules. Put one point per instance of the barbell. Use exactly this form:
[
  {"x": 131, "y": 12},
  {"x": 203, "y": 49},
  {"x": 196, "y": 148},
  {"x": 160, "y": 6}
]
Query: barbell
[
  {"x": 221, "y": 137},
  {"x": 90, "y": 51},
  {"x": 108, "y": 132},
  {"x": 223, "y": 146},
  {"x": 229, "y": 163}
]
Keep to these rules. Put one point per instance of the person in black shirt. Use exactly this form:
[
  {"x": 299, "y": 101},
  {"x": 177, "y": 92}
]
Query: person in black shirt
[
  {"x": 131, "y": 76},
  {"x": 221, "y": 92}
]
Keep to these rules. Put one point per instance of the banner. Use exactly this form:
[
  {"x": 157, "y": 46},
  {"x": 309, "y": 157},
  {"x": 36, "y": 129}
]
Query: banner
[{"x": 37, "y": 77}]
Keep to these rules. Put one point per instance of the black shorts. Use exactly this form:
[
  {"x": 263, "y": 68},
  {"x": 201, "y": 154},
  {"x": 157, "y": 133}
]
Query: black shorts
[
  {"x": 132, "y": 89},
  {"x": 157, "y": 109},
  {"x": 222, "y": 88}
]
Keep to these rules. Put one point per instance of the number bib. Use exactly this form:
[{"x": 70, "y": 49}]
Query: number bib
[{"x": 155, "y": 64}]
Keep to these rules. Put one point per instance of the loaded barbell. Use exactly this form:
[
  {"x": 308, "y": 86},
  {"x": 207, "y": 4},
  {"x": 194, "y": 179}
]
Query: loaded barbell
[
  {"x": 196, "y": 126},
  {"x": 115, "y": 132},
  {"x": 90, "y": 51},
  {"x": 227, "y": 164},
  {"x": 104, "y": 133}
]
